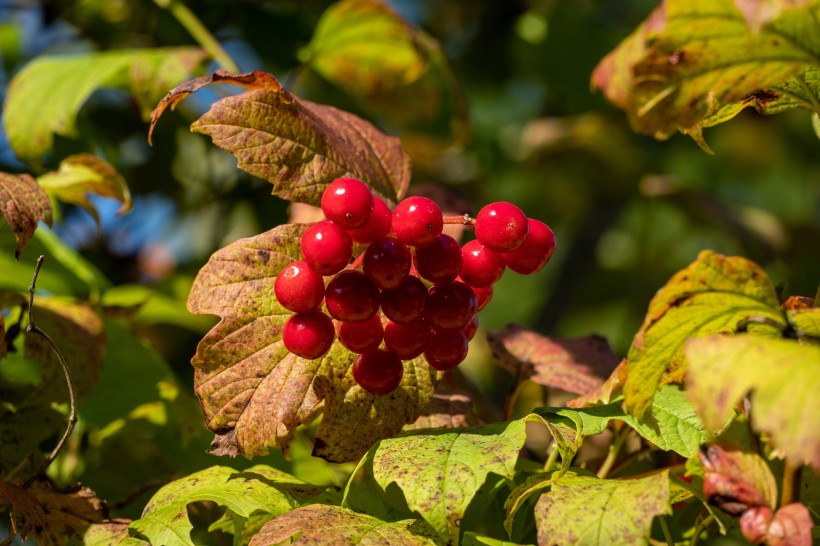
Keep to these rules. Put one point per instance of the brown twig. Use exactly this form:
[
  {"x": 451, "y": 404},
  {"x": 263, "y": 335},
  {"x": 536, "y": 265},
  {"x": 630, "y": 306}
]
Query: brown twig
[{"x": 72, "y": 396}]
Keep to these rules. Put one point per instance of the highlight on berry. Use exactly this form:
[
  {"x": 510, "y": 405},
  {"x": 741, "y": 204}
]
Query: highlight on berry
[{"x": 413, "y": 291}]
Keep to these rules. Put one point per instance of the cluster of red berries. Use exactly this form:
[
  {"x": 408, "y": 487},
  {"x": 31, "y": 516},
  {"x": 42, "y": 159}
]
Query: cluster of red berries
[{"x": 405, "y": 248}]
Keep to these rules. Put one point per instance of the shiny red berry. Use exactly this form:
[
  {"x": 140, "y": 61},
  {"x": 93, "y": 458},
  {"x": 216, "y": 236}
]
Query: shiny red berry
[
  {"x": 417, "y": 221},
  {"x": 439, "y": 261},
  {"x": 351, "y": 297},
  {"x": 363, "y": 336},
  {"x": 387, "y": 262},
  {"x": 298, "y": 288},
  {"x": 450, "y": 305},
  {"x": 405, "y": 302},
  {"x": 378, "y": 372},
  {"x": 480, "y": 266},
  {"x": 501, "y": 226},
  {"x": 445, "y": 349},
  {"x": 377, "y": 226},
  {"x": 347, "y": 202},
  {"x": 308, "y": 335},
  {"x": 326, "y": 247},
  {"x": 536, "y": 251},
  {"x": 408, "y": 340}
]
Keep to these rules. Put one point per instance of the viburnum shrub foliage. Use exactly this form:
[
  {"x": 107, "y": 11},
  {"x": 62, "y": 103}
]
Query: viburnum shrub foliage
[{"x": 348, "y": 331}]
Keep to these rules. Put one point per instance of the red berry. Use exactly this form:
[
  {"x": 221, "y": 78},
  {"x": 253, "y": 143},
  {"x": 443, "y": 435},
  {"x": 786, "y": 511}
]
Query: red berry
[
  {"x": 377, "y": 226},
  {"x": 406, "y": 340},
  {"x": 450, "y": 305},
  {"x": 347, "y": 202},
  {"x": 445, "y": 349},
  {"x": 363, "y": 336},
  {"x": 387, "y": 262},
  {"x": 484, "y": 295},
  {"x": 326, "y": 247},
  {"x": 417, "y": 221},
  {"x": 351, "y": 297},
  {"x": 377, "y": 371},
  {"x": 471, "y": 328},
  {"x": 439, "y": 261},
  {"x": 298, "y": 288},
  {"x": 405, "y": 302},
  {"x": 308, "y": 335},
  {"x": 480, "y": 266},
  {"x": 536, "y": 250},
  {"x": 501, "y": 226}
]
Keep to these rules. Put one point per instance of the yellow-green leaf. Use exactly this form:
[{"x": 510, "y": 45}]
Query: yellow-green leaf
[
  {"x": 591, "y": 511},
  {"x": 714, "y": 294},
  {"x": 45, "y": 96},
  {"x": 783, "y": 377},
  {"x": 695, "y": 63},
  {"x": 81, "y": 174}
]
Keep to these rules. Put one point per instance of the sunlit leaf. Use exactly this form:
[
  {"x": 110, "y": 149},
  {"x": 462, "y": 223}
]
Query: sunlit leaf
[
  {"x": 257, "y": 489},
  {"x": 576, "y": 365},
  {"x": 50, "y": 515},
  {"x": 714, "y": 294},
  {"x": 783, "y": 377},
  {"x": 532, "y": 485},
  {"x": 315, "y": 524},
  {"x": 298, "y": 146},
  {"x": 440, "y": 471},
  {"x": 391, "y": 67},
  {"x": 592, "y": 511},
  {"x": 255, "y": 393},
  {"x": 45, "y": 96},
  {"x": 81, "y": 174},
  {"x": 806, "y": 322},
  {"x": 446, "y": 410},
  {"x": 105, "y": 533},
  {"x": 23, "y": 204},
  {"x": 474, "y": 539},
  {"x": 693, "y": 64}
]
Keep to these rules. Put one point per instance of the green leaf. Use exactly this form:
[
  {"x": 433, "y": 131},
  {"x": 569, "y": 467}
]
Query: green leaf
[
  {"x": 806, "y": 322},
  {"x": 46, "y": 95},
  {"x": 440, "y": 471},
  {"x": 298, "y": 146},
  {"x": 104, "y": 534},
  {"x": 672, "y": 424},
  {"x": 145, "y": 305},
  {"x": 714, "y": 294},
  {"x": 591, "y": 511},
  {"x": 82, "y": 174},
  {"x": 474, "y": 539},
  {"x": 577, "y": 365},
  {"x": 318, "y": 524},
  {"x": 693, "y": 64},
  {"x": 255, "y": 393},
  {"x": 391, "y": 67},
  {"x": 783, "y": 377},
  {"x": 257, "y": 489},
  {"x": 23, "y": 204},
  {"x": 533, "y": 484}
]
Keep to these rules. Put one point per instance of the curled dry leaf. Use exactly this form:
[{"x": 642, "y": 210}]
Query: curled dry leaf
[
  {"x": 736, "y": 481},
  {"x": 297, "y": 145},
  {"x": 447, "y": 410},
  {"x": 791, "y": 526},
  {"x": 50, "y": 515},
  {"x": 576, "y": 365},
  {"x": 23, "y": 204},
  {"x": 754, "y": 523}
]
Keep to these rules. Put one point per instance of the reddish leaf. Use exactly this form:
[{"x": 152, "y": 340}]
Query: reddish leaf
[
  {"x": 791, "y": 526},
  {"x": 736, "y": 481},
  {"x": 607, "y": 392},
  {"x": 576, "y": 365},
  {"x": 254, "y": 393},
  {"x": 23, "y": 204},
  {"x": 297, "y": 145},
  {"x": 798, "y": 303},
  {"x": 447, "y": 410},
  {"x": 52, "y": 516}
]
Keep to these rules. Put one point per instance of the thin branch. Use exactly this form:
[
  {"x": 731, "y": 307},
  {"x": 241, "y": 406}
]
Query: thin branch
[
  {"x": 201, "y": 34},
  {"x": 72, "y": 396},
  {"x": 667, "y": 534},
  {"x": 612, "y": 453},
  {"x": 700, "y": 528},
  {"x": 791, "y": 482}
]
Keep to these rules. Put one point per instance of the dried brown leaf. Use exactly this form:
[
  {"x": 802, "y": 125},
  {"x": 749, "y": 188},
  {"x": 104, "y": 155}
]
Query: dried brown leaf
[
  {"x": 23, "y": 204},
  {"x": 52, "y": 516},
  {"x": 576, "y": 365},
  {"x": 297, "y": 145},
  {"x": 447, "y": 410}
]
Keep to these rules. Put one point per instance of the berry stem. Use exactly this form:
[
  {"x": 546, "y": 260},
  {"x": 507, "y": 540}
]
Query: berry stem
[
  {"x": 357, "y": 263},
  {"x": 464, "y": 219}
]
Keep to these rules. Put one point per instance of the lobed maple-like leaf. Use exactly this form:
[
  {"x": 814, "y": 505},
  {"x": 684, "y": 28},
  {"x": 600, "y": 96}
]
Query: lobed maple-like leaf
[
  {"x": 783, "y": 377},
  {"x": 319, "y": 524},
  {"x": 714, "y": 294},
  {"x": 45, "y": 96},
  {"x": 736, "y": 481},
  {"x": 254, "y": 392},
  {"x": 81, "y": 174},
  {"x": 577, "y": 365},
  {"x": 297, "y": 145},
  {"x": 591, "y": 511},
  {"x": 693, "y": 64},
  {"x": 440, "y": 471},
  {"x": 50, "y": 515},
  {"x": 23, "y": 204}
]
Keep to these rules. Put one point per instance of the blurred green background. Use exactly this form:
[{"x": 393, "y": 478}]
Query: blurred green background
[{"x": 627, "y": 211}]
